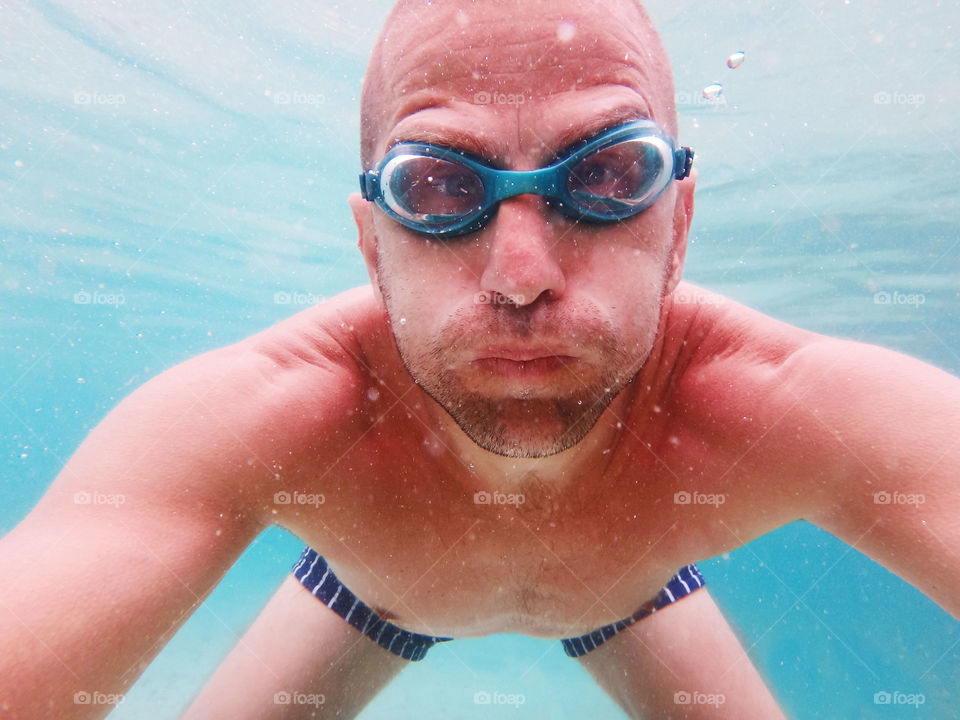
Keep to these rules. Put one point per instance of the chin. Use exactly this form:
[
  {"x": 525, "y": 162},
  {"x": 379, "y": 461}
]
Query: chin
[{"x": 524, "y": 428}]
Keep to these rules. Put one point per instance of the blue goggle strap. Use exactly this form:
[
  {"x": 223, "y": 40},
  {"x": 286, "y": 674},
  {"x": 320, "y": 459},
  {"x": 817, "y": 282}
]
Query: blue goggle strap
[{"x": 682, "y": 162}]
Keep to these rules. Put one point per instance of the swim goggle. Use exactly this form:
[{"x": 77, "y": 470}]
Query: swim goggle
[{"x": 443, "y": 192}]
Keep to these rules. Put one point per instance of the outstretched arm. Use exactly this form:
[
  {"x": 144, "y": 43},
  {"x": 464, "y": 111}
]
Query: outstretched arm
[
  {"x": 140, "y": 525},
  {"x": 886, "y": 430},
  {"x": 682, "y": 662}
]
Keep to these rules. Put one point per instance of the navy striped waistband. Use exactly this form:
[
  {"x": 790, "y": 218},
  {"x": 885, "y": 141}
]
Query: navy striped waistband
[
  {"x": 315, "y": 574},
  {"x": 680, "y": 585}
]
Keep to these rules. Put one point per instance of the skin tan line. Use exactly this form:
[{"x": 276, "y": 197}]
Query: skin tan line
[{"x": 604, "y": 390}]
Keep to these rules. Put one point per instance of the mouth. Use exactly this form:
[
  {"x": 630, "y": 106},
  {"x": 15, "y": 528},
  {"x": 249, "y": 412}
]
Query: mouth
[{"x": 523, "y": 365}]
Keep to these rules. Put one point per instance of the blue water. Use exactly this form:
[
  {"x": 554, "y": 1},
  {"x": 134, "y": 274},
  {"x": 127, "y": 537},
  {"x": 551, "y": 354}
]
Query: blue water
[{"x": 147, "y": 166}]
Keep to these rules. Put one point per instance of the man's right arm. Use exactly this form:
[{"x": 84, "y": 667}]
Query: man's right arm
[{"x": 141, "y": 524}]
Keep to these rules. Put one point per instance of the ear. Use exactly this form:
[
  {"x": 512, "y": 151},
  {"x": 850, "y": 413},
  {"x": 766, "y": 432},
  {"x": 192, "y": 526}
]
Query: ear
[
  {"x": 366, "y": 237},
  {"x": 682, "y": 217}
]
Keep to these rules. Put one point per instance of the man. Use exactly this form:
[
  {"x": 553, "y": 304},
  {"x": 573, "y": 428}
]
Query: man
[{"x": 522, "y": 335}]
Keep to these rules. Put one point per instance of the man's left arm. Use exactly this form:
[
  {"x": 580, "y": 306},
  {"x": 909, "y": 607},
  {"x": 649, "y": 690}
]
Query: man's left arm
[
  {"x": 883, "y": 433},
  {"x": 683, "y": 661}
]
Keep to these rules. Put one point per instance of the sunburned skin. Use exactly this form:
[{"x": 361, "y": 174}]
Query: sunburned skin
[
  {"x": 401, "y": 525},
  {"x": 541, "y": 464}
]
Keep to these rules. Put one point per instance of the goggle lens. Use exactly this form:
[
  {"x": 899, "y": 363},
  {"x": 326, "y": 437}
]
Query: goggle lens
[
  {"x": 431, "y": 189},
  {"x": 616, "y": 178}
]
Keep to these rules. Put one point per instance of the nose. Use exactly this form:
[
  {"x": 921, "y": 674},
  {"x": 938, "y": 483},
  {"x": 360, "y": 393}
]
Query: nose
[{"x": 522, "y": 264}]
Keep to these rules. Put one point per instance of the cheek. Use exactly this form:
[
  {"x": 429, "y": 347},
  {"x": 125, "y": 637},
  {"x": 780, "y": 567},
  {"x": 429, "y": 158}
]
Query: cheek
[
  {"x": 421, "y": 261},
  {"x": 631, "y": 263},
  {"x": 422, "y": 282},
  {"x": 626, "y": 275}
]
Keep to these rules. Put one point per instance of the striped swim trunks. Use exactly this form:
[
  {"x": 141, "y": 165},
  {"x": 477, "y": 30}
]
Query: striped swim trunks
[{"x": 316, "y": 576}]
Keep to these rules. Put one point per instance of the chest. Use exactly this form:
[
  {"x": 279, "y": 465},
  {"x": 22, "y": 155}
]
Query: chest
[{"x": 424, "y": 549}]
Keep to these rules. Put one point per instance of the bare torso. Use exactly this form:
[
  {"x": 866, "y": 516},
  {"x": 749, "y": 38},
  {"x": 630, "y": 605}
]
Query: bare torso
[
  {"x": 736, "y": 425},
  {"x": 400, "y": 522}
]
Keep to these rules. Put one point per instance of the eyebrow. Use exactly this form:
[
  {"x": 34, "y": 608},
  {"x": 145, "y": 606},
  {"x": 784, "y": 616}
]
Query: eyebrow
[
  {"x": 577, "y": 132},
  {"x": 473, "y": 143},
  {"x": 454, "y": 138}
]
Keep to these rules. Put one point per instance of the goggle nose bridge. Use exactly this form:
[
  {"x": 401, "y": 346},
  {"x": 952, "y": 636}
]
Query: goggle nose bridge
[{"x": 510, "y": 183}]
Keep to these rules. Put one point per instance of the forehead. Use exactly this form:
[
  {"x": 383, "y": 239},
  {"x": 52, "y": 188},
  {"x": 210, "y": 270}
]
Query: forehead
[
  {"x": 542, "y": 67},
  {"x": 442, "y": 44}
]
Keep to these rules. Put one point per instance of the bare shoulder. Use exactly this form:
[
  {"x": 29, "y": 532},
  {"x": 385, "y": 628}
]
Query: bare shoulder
[
  {"x": 724, "y": 349},
  {"x": 311, "y": 362},
  {"x": 736, "y": 362},
  {"x": 331, "y": 336},
  {"x": 300, "y": 380},
  {"x": 222, "y": 428},
  {"x": 720, "y": 328},
  {"x": 727, "y": 342},
  {"x": 805, "y": 412},
  {"x": 858, "y": 439},
  {"x": 310, "y": 373},
  {"x": 723, "y": 338}
]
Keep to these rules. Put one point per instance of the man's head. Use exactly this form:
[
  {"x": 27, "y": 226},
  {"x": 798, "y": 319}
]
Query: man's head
[{"x": 523, "y": 331}]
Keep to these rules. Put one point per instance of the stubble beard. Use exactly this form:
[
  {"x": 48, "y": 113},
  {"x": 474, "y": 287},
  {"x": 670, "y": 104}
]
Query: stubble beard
[{"x": 524, "y": 425}]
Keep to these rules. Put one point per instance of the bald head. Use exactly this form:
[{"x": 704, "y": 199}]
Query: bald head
[{"x": 449, "y": 53}]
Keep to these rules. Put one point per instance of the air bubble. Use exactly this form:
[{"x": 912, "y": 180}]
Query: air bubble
[
  {"x": 566, "y": 31},
  {"x": 713, "y": 91}
]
